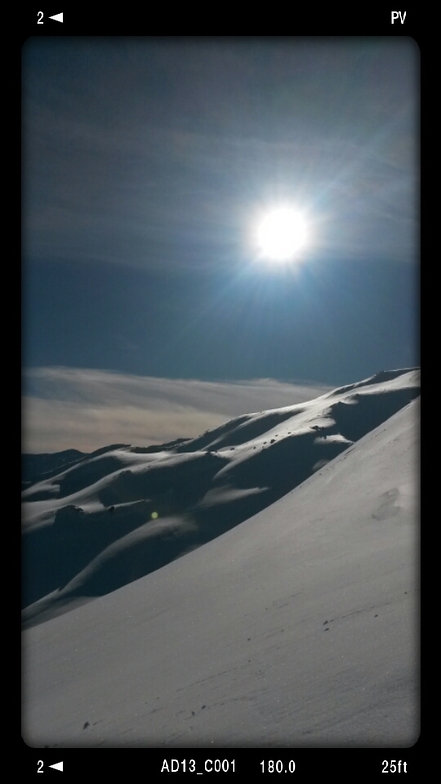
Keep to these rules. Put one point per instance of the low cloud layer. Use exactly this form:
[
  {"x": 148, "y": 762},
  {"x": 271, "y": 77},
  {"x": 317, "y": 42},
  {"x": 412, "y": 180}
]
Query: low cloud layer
[{"x": 72, "y": 408}]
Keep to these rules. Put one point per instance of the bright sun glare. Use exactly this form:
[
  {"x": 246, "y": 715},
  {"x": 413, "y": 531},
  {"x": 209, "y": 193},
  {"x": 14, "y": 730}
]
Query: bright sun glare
[{"x": 282, "y": 234}]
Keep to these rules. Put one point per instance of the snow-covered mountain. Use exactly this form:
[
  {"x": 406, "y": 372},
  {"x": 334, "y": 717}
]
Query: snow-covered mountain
[
  {"x": 121, "y": 512},
  {"x": 295, "y": 625}
]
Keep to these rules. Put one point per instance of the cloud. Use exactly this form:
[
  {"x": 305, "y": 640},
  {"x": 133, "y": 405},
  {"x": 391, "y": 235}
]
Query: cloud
[{"x": 74, "y": 408}]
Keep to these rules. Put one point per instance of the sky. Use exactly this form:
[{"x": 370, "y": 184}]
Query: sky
[{"x": 148, "y": 164}]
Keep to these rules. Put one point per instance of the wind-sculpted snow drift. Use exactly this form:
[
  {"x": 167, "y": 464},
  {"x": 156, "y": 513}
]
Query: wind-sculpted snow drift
[{"x": 117, "y": 514}]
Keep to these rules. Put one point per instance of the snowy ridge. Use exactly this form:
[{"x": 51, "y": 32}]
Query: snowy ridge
[
  {"x": 297, "y": 628},
  {"x": 123, "y": 512}
]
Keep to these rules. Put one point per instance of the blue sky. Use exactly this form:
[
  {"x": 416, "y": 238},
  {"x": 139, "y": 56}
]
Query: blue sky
[{"x": 146, "y": 163}]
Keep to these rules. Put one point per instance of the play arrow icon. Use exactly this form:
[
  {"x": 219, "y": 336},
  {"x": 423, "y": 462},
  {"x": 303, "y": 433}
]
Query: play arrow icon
[
  {"x": 57, "y": 766},
  {"x": 56, "y": 18}
]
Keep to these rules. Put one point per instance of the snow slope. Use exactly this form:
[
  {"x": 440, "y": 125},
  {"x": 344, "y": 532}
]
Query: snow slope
[
  {"x": 297, "y": 627},
  {"x": 122, "y": 512}
]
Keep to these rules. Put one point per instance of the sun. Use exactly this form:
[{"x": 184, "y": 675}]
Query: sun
[{"x": 282, "y": 234}]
